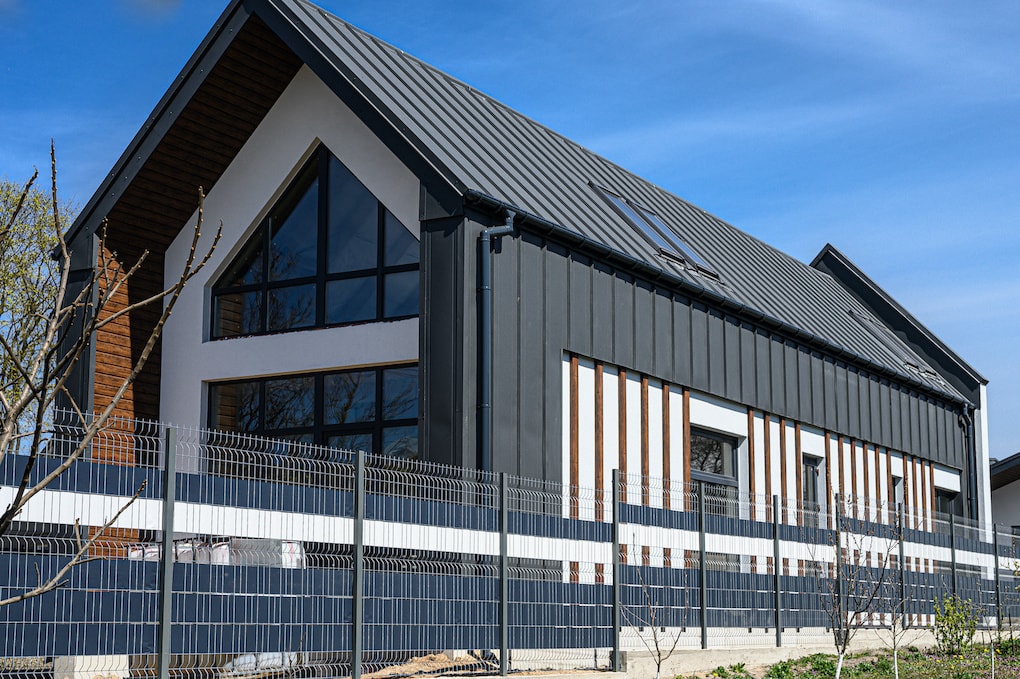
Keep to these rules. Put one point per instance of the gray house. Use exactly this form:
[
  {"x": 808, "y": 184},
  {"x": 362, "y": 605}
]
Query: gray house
[{"x": 412, "y": 268}]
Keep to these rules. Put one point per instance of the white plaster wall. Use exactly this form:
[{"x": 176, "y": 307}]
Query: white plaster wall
[
  {"x": 1006, "y": 504},
  {"x": 306, "y": 113},
  {"x": 986, "y": 510},
  {"x": 947, "y": 479}
]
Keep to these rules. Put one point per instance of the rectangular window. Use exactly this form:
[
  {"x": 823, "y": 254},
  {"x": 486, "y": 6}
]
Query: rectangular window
[
  {"x": 714, "y": 462},
  {"x": 948, "y": 502},
  {"x": 374, "y": 410},
  {"x": 810, "y": 487}
]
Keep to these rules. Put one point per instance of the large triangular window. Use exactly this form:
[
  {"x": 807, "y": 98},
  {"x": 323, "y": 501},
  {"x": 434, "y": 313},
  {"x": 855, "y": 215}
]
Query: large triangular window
[{"x": 328, "y": 253}]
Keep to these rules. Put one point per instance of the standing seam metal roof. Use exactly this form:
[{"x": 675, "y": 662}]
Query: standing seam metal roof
[{"x": 483, "y": 145}]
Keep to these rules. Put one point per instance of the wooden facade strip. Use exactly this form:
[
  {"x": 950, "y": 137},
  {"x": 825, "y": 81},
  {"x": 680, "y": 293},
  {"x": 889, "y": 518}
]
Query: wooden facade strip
[
  {"x": 769, "y": 490},
  {"x": 783, "y": 486},
  {"x": 751, "y": 461}
]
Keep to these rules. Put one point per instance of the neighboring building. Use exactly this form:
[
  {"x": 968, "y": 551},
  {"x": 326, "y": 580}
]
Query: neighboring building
[
  {"x": 630, "y": 329},
  {"x": 1005, "y": 483}
]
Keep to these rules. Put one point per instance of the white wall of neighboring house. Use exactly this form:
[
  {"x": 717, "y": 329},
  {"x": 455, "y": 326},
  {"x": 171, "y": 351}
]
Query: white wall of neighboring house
[
  {"x": 306, "y": 114},
  {"x": 1006, "y": 504}
]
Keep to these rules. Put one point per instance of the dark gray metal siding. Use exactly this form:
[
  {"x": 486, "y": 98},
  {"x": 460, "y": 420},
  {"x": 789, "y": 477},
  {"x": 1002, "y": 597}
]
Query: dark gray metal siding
[{"x": 550, "y": 301}]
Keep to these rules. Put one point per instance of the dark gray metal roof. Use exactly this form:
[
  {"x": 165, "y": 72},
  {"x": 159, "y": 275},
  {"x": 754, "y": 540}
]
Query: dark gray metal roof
[{"x": 477, "y": 143}]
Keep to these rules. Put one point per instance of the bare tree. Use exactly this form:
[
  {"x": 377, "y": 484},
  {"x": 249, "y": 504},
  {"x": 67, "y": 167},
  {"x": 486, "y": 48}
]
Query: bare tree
[
  {"x": 852, "y": 575},
  {"x": 59, "y": 334},
  {"x": 660, "y": 643},
  {"x": 899, "y": 629}
]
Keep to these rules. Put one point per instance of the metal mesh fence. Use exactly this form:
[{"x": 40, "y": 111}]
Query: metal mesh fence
[{"x": 285, "y": 557}]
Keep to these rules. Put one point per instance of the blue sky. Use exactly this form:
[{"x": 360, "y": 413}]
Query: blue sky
[{"x": 891, "y": 130}]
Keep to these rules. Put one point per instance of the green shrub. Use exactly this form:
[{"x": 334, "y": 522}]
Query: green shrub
[
  {"x": 781, "y": 670},
  {"x": 955, "y": 623}
]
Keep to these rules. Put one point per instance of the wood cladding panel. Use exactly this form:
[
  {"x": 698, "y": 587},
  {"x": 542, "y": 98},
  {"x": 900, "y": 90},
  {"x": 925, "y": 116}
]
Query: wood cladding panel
[{"x": 199, "y": 145}]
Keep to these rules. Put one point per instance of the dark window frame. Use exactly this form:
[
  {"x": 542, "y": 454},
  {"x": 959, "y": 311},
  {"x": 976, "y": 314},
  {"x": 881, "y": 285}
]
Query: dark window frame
[
  {"x": 721, "y": 491},
  {"x": 320, "y": 430},
  {"x": 316, "y": 168},
  {"x": 651, "y": 225}
]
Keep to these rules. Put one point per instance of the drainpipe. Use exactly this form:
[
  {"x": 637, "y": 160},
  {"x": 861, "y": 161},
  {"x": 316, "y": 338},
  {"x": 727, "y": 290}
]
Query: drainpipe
[
  {"x": 485, "y": 337},
  {"x": 967, "y": 421}
]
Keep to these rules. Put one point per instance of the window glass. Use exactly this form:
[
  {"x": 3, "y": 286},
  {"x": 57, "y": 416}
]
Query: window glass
[
  {"x": 290, "y": 403},
  {"x": 340, "y": 409},
  {"x": 247, "y": 268},
  {"x": 349, "y": 397},
  {"x": 401, "y": 246},
  {"x": 350, "y": 442},
  {"x": 401, "y": 294},
  {"x": 291, "y": 307},
  {"x": 292, "y": 245},
  {"x": 350, "y": 300},
  {"x": 353, "y": 281},
  {"x": 238, "y": 313},
  {"x": 400, "y": 393},
  {"x": 352, "y": 236},
  {"x": 712, "y": 454},
  {"x": 400, "y": 442},
  {"x": 234, "y": 407}
]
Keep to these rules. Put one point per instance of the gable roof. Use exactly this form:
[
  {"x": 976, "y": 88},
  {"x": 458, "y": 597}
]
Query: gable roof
[{"x": 449, "y": 132}]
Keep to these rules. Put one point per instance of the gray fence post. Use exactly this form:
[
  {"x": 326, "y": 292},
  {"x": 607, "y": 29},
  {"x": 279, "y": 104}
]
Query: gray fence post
[
  {"x": 952, "y": 548},
  {"x": 358, "y": 579},
  {"x": 998, "y": 590},
  {"x": 504, "y": 577},
  {"x": 703, "y": 569},
  {"x": 837, "y": 516},
  {"x": 901, "y": 530},
  {"x": 777, "y": 573},
  {"x": 617, "y": 575},
  {"x": 166, "y": 580}
]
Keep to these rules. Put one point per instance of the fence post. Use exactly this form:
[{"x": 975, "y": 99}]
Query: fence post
[
  {"x": 837, "y": 516},
  {"x": 504, "y": 577},
  {"x": 777, "y": 573},
  {"x": 703, "y": 565},
  {"x": 166, "y": 580},
  {"x": 358, "y": 579},
  {"x": 617, "y": 574},
  {"x": 998, "y": 591},
  {"x": 952, "y": 548},
  {"x": 901, "y": 530}
]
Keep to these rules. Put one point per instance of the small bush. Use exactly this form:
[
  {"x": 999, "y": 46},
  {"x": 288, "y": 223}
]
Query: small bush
[
  {"x": 781, "y": 670},
  {"x": 955, "y": 623}
]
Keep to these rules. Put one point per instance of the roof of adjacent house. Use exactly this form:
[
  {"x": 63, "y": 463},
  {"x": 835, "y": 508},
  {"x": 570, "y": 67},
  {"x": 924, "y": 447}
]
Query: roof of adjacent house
[
  {"x": 1005, "y": 472},
  {"x": 479, "y": 146}
]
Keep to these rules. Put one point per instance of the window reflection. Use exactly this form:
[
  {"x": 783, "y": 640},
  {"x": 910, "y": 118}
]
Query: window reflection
[{"x": 327, "y": 254}]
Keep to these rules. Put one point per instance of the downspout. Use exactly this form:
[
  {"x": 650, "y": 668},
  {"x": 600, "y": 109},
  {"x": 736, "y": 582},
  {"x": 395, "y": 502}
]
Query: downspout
[
  {"x": 485, "y": 337},
  {"x": 967, "y": 420}
]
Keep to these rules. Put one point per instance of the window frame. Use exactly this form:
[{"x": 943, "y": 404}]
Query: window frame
[
  {"x": 651, "y": 225},
  {"x": 729, "y": 486},
  {"x": 320, "y": 430},
  {"x": 316, "y": 168}
]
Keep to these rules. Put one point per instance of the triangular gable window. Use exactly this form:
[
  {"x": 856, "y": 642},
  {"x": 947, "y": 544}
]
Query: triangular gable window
[{"x": 328, "y": 253}]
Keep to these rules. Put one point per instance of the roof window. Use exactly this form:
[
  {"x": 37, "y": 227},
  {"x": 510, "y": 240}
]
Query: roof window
[
  {"x": 890, "y": 341},
  {"x": 653, "y": 228}
]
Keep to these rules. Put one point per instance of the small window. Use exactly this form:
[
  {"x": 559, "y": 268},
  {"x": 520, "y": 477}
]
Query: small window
[
  {"x": 948, "y": 502},
  {"x": 714, "y": 462},
  {"x": 656, "y": 230},
  {"x": 811, "y": 489}
]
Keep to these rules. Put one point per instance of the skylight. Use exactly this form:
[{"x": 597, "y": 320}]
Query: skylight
[
  {"x": 653, "y": 228},
  {"x": 885, "y": 336}
]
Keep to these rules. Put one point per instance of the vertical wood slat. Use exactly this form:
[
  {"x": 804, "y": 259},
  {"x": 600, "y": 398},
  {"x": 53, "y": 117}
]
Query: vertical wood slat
[
  {"x": 667, "y": 450},
  {"x": 574, "y": 438},
  {"x": 841, "y": 461},
  {"x": 867, "y": 479},
  {"x": 687, "y": 442},
  {"x": 828, "y": 481},
  {"x": 782, "y": 472},
  {"x": 768, "y": 466},
  {"x": 750, "y": 464},
  {"x": 645, "y": 453},
  {"x": 622, "y": 431},
  {"x": 853, "y": 476},
  {"x": 799, "y": 457},
  {"x": 600, "y": 480},
  {"x": 925, "y": 509}
]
